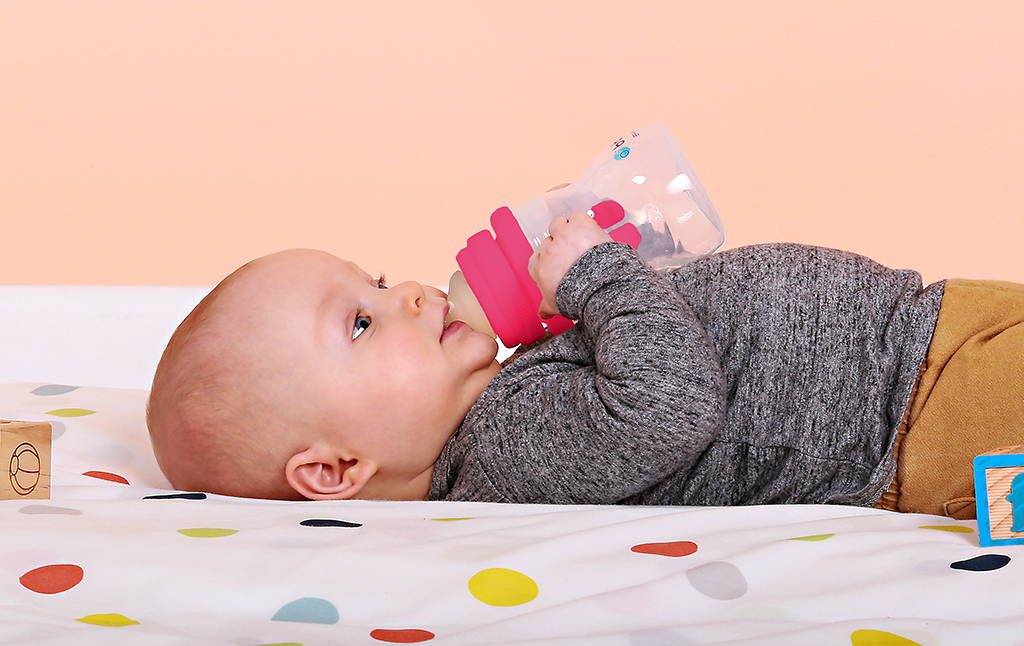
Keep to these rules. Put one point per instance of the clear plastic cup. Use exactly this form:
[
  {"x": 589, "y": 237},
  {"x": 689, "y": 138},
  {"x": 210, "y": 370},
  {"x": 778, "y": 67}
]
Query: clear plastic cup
[{"x": 665, "y": 215}]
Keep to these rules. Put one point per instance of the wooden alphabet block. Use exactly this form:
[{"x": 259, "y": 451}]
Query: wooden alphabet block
[
  {"x": 24, "y": 460},
  {"x": 999, "y": 496}
]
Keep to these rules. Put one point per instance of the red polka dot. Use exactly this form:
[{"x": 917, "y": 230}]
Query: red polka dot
[
  {"x": 672, "y": 548},
  {"x": 103, "y": 475},
  {"x": 51, "y": 579},
  {"x": 402, "y": 636}
]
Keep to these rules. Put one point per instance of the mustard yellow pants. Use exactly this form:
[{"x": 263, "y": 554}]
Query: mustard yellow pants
[{"x": 968, "y": 399}]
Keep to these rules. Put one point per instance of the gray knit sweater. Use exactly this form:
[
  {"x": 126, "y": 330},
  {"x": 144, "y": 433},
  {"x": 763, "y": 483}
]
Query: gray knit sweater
[{"x": 771, "y": 373}]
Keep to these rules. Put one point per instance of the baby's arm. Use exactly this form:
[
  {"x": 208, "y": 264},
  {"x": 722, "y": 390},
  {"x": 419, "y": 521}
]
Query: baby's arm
[{"x": 647, "y": 405}]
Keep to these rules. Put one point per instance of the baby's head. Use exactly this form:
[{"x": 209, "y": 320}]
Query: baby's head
[{"x": 298, "y": 377}]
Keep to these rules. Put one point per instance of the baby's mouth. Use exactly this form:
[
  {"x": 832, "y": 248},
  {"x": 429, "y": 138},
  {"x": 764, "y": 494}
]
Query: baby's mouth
[{"x": 444, "y": 317}]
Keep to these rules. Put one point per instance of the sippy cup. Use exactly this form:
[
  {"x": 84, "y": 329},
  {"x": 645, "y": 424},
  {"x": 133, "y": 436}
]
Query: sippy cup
[{"x": 643, "y": 192}]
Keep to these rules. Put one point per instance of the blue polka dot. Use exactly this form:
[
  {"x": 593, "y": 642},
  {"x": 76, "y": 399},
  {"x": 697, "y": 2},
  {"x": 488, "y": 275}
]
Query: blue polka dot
[
  {"x": 983, "y": 563},
  {"x": 329, "y": 522},
  {"x": 310, "y": 610}
]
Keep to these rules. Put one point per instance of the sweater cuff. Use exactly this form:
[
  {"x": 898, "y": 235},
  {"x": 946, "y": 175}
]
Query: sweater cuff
[{"x": 594, "y": 269}]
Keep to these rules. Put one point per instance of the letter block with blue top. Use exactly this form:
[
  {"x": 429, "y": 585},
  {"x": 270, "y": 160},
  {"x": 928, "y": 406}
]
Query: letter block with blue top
[{"x": 999, "y": 496}]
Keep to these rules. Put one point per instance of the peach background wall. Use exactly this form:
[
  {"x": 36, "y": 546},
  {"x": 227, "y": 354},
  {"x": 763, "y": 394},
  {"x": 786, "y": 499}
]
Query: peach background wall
[{"x": 169, "y": 142}]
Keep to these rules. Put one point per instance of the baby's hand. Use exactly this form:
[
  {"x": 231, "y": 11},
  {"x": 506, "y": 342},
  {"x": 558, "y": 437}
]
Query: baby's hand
[{"x": 568, "y": 239}]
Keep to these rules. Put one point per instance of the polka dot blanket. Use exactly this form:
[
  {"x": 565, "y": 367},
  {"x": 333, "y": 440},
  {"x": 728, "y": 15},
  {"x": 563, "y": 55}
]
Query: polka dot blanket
[{"x": 117, "y": 557}]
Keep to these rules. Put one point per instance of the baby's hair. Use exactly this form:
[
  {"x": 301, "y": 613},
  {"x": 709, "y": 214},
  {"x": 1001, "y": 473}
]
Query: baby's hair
[
  {"x": 206, "y": 423},
  {"x": 189, "y": 328}
]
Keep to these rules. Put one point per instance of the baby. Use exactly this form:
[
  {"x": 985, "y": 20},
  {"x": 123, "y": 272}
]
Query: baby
[
  {"x": 772, "y": 373},
  {"x": 302, "y": 376}
]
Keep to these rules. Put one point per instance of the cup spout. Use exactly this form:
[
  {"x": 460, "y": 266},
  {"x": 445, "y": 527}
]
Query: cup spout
[{"x": 465, "y": 307}]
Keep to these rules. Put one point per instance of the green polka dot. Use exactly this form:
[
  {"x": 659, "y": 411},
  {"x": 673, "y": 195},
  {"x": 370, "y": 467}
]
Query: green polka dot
[
  {"x": 70, "y": 412},
  {"x": 959, "y": 529},
  {"x": 207, "y": 532}
]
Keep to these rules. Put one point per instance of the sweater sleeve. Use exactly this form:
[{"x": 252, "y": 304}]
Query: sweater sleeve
[{"x": 646, "y": 406}]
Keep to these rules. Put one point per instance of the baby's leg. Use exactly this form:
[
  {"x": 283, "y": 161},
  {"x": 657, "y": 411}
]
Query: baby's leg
[{"x": 970, "y": 397}]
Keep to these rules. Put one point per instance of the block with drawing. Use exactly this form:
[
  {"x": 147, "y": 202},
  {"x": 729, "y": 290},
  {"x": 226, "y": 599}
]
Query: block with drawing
[
  {"x": 999, "y": 492},
  {"x": 24, "y": 460}
]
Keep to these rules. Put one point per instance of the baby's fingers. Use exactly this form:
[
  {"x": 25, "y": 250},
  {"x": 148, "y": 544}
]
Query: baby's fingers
[
  {"x": 556, "y": 226},
  {"x": 546, "y": 309}
]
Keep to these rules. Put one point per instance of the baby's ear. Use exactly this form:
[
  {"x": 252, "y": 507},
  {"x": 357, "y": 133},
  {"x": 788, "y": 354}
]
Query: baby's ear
[{"x": 318, "y": 475}]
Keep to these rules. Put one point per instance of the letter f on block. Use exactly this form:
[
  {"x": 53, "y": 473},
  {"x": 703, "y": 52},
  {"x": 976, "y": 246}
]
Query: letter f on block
[{"x": 1016, "y": 498}]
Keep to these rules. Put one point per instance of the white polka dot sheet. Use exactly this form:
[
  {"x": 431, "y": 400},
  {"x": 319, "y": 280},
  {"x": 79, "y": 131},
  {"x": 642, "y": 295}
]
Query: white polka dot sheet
[{"x": 117, "y": 557}]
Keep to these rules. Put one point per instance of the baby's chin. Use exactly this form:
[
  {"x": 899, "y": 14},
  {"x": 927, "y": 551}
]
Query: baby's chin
[
  {"x": 470, "y": 335},
  {"x": 489, "y": 357},
  {"x": 494, "y": 353}
]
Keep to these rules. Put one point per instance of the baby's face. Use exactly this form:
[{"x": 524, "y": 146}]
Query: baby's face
[{"x": 365, "y": 365}]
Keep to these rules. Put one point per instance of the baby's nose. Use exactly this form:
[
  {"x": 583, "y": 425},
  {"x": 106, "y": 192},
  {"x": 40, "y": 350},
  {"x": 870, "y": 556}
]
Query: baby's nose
[{"x": 436, "y": 292}]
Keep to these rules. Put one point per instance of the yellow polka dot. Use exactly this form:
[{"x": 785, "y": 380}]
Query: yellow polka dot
[
  {"x": 501, "y": 587},
  {"x": 112, "y": 619},
  {"x": 207, "y": 532},
  {"x": 879, "y": 638},
  {"x": 960, "y": 529}
]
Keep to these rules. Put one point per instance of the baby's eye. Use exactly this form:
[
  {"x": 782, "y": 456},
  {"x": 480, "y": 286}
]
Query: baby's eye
[
  {"x": 381, "y": 284},
  {"x": 356, "y": 327}
]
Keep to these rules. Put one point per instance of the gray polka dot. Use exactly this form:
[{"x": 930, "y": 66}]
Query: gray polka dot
[
  {"x": 56, "y": 429},
  {"x": 718, "y": 580},
  {"x": 48, "y": 509},
  {"x": 53, "y": 389},
  {"x": 111, "y": 455}
]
